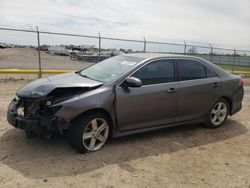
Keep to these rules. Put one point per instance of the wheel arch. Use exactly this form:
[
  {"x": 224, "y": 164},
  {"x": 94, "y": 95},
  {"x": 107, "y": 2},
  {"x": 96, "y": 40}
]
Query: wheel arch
[
  {"x": 97, "y": 110},
  {"x": 229, "y": 101}
]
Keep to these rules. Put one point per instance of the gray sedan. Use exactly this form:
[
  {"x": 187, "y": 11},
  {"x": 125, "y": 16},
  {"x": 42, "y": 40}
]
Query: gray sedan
[{"x": 124, "y": 95}]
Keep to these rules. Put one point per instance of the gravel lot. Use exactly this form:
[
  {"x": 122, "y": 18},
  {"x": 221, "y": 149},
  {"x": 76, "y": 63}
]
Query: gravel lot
[
  {"x": 187, "y": 156},
  {"x": 27, "y": 58}
]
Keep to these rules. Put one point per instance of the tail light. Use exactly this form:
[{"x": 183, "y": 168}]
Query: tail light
[{"x": 242, "y": 82}]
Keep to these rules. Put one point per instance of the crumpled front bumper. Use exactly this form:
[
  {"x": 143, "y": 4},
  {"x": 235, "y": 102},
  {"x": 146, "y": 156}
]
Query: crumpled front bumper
[{"x": 39, "y": 125}]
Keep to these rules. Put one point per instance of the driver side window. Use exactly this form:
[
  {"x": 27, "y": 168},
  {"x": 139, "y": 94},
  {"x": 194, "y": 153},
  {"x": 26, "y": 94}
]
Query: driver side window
[{"x": 159, "y": 71}]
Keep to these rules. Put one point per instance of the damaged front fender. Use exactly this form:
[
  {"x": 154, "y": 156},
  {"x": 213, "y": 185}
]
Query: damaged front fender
[{"x": 48, "y": 103}]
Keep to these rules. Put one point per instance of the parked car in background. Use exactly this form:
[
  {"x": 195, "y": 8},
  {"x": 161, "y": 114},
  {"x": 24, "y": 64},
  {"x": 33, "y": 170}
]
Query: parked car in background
[
  {"x": 58, "y": 50},
  {"x": 124, "y": 95}
]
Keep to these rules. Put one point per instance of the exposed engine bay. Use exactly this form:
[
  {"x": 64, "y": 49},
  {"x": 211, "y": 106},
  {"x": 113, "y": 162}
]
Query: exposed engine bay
[{"x": 36, "y": 115}]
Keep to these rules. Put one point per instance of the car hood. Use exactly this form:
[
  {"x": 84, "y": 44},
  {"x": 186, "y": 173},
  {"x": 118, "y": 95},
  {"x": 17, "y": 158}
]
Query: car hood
[{"x": 42, "y": 87}]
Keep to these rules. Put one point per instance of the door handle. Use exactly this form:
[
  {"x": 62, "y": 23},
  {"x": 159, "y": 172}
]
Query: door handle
[
  {"x": 216, "y": 84},
  {"x": 172, "y": 90}
]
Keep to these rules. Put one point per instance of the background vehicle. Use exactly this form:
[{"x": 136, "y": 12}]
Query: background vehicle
[{"x": 127, "y": 94}]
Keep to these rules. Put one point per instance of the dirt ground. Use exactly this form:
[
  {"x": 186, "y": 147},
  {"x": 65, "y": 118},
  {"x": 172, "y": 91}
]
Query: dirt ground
[
  {"x": 27, "y": 58},
  {"x": 186, "y": 156}
]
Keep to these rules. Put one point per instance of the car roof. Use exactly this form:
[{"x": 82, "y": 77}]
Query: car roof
[
  {"x": 157, "y": 55},
  {"x": 149, "y": 56}
]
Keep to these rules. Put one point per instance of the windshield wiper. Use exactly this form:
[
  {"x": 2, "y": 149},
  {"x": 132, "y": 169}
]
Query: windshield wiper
[{"x": 83, "y": 75}]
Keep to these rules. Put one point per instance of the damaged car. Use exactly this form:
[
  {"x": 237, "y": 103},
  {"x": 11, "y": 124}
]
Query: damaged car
[{"x": 124, "y": 95}]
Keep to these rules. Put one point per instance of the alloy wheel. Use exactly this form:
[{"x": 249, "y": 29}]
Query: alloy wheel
[
  {"x": 218, "y": 113},
  {"x": 95, "y": 134}
]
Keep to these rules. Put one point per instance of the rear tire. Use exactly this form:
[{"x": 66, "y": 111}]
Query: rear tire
[
  {"x": 89, "y": 132},
  {"x": 217, "y": 115}
]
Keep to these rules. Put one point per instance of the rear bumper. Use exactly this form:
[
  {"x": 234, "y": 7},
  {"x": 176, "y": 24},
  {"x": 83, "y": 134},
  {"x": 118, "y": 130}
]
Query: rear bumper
[{"x": 39, "y": 125}]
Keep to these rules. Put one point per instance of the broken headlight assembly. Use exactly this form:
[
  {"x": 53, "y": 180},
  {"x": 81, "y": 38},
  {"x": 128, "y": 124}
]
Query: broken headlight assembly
[{"x": 62, "y": 94}]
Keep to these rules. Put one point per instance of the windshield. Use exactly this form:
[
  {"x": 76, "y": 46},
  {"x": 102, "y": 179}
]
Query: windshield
[{"x": 110, "y": 69}]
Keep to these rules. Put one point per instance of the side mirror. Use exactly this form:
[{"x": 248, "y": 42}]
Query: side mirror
[{"x": 132, "y": 82}]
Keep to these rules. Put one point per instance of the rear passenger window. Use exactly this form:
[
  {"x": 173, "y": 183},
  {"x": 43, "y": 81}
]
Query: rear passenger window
[
  {"x": 191, "y": 70},
  {"x": 160, "y": 71},
  {"x": 210, "y": 74}
]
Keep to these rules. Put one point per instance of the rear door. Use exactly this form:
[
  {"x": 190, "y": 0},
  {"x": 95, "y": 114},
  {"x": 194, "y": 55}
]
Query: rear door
[
  {"x": 199, "y": 88},
  {"x": 152, "y": 104}
]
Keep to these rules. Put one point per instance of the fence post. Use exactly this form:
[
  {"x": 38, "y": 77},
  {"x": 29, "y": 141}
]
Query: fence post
[
  {"x": 185, "y": 46},
  {"x": 145, "y": 42},
  {"x": 99, "y": 48},
  {"x": 211, "y": 52},
  {"x": 234, "y": 59},
  {"x": 39, "y": 53}
]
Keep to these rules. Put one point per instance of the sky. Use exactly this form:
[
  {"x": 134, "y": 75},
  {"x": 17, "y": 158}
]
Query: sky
[{"x": 223, "y": 23}]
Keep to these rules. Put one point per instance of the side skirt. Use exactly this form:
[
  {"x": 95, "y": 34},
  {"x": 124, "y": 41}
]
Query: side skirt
[{"x": 117, "y": 133}]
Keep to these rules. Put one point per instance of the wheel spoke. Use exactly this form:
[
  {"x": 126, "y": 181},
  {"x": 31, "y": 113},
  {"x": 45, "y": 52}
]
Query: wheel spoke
[
  {"x": 214, "y": 111},
  {"x": 219, "y": 106},
  {"x": 87, "y": 135},
  {"x": 221, "y": 118},
  {"x": 102, "y": 127},
  {"x": 224, "y": 110},
  {"x": 101, "y": 138},
  {"x": 214, "y": 118},
  {"x": 94, "y": 124},
  {"x": 92, "y": 143}
]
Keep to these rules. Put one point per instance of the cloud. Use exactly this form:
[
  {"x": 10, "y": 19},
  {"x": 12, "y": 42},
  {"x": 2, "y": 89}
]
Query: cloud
[{"x": 222, "y": 22}]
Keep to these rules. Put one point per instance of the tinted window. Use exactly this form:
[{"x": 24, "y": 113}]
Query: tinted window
[
  {"x": 190, "y": 70},
  {"x": 156, "y": 72},
  {"x": 210, "y": 73}
]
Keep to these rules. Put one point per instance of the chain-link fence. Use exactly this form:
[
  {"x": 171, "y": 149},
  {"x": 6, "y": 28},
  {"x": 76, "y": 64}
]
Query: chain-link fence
[{"x": 45, "y": 50}]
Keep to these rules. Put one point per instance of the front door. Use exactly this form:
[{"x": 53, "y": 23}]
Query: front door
[{"x": 152, "y": 104}]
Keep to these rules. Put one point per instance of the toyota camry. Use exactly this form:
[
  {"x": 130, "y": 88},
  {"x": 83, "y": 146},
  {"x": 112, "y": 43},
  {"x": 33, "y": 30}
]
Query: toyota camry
[{"x": 124, "y": 95}]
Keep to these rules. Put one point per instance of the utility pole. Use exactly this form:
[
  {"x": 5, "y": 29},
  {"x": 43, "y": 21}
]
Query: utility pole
[{"x": 39, "y": 53}]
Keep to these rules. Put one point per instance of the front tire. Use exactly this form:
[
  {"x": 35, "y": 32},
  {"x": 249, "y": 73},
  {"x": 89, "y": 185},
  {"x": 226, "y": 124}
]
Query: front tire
[
  {"x": 218, "y": 114},
  {"x": 89, "y": 132}
]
